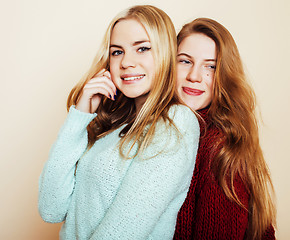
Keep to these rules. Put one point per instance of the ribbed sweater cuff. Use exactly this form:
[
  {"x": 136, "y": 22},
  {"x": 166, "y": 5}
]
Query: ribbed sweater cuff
[{"x": 77, "y": 119}]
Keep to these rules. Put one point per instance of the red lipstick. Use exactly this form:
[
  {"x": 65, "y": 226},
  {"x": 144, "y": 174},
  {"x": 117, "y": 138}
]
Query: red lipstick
[{"x": 192, "y": 91}]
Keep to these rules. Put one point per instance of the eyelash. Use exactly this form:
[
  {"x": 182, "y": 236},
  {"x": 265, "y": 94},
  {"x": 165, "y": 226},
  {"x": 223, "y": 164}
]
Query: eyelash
[
  {"x": 143, "y": 49},
  {"x": 140, "y": 50},
  {"x": 116, "y": 53},
  {"x": 184, "y": 61},
  {"x": 211, "y": 67}
]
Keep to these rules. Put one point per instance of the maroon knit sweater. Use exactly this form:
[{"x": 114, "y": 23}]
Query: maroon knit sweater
[{"x": 207, "y": 213}]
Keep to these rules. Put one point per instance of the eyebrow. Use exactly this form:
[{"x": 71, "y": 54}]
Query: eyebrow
[
  {"x": 134, "y": 44},
  {"x": 186, "y": 55}
]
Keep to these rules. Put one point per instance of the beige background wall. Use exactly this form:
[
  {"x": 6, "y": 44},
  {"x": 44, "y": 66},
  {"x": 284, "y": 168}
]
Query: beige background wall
[{"x": 46, "y": 46}]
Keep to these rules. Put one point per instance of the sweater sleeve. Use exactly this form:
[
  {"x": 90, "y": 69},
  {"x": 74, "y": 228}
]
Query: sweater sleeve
[
  {"x": 56, "y": 183},
  {"x": 269, "y": 234},
  {"x": 154, "y": 188}
]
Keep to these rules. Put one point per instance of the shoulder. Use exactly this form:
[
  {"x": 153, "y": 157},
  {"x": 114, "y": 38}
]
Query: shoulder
[
  {"x": 182, "y": 128},
  {"x": 178, "y": 109},
  {"x": 183, "y": 117}
]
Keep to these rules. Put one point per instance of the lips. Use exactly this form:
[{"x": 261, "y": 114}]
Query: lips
[
  {"x": 132, "y": 78},
  {"x": 192, "y": 91}
]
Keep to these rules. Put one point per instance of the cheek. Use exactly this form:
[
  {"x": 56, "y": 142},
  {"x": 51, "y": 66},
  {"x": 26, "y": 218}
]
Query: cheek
[
  {"x": 150, "y": 65},
  {"x": 113, "y": 68},
  {"x": 179, "y": 85},
  {"x": 114, "y": 73},
  {"x": 181, "y": 73},
  {"x": 180, "y": 80},
  {"x": 211, "y": 84},
  {"x": 209, "y": 81}
]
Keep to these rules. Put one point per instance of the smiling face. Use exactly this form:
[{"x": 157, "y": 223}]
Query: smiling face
[
  {"x": 131, "y": 60},
  {"x": 196, "y": 61}
]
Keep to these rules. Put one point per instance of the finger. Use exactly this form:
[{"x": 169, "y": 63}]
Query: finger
[
  {"x": 93, "y": 88},
  {"x": 96, "y": 91},
  {"x": 100, "y": 73},
  {"x": 102, "y": 91},
  {"x": 107, "y": 74},
  {"x": 103, "y": 80}
]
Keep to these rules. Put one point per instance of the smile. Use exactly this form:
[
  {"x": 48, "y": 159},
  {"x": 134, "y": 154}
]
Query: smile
[
  {"x": 130, "y": 78},
  {"x": 192, "y": 91}
]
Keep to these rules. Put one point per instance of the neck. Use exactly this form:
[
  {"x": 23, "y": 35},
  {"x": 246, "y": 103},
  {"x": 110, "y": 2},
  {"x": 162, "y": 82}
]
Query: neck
[{"x": 139, "y": 101}]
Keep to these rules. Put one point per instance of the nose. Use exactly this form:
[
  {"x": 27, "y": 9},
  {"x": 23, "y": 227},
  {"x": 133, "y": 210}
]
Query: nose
[
  {"x": 127, "y": 61},
  {"x": 194, "y": 74}
]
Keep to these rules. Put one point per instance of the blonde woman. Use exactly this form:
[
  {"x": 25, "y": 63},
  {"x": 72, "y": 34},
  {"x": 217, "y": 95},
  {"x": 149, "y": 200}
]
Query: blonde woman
[
  {"x": 123, "y": 161},
  {"x": 229, "y": 197}
]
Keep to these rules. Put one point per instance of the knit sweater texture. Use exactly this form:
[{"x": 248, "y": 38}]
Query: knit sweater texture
[
  {"x": 207, "y": 213},
  {"x": 107, "y": 197}
]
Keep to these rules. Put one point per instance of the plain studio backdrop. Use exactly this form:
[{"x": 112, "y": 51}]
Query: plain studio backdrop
[{"x": 46, "y": 47}]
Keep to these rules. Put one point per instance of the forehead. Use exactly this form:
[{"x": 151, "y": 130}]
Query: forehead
[
  {"x": 128, "y": 30},
  {"x": 198, "y": 44}
]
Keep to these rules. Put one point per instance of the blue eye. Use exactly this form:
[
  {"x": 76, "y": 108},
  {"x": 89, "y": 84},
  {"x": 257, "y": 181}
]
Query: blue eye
[
  {"x": 143, "y": 49},
  {"x": 117, "y": 53},
  {"x": 212, "y": 67},
  {"x": 184, "y": 61}
]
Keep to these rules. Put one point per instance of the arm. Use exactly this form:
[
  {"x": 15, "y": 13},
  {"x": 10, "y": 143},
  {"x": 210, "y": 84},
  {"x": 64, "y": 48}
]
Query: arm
[
  {"x": 57, "y": 180},
  {"x": 269, "y": 234},
  {"x": 156, "y": 185}
]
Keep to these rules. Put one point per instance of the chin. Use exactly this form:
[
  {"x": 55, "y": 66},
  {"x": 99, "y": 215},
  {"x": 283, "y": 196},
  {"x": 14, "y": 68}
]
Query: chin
[
  {"x": 130, "y": 94},
  {"x": 194, "y": 107},
  {"x": 189, "y": 104}
]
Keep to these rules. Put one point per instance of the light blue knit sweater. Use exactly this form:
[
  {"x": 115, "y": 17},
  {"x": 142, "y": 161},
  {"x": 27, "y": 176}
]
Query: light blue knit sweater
[{"x": 109, "y": 198}]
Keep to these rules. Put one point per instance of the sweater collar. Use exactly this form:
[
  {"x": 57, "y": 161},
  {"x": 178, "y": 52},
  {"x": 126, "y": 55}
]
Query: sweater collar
[{"x": 204, "y": 114}]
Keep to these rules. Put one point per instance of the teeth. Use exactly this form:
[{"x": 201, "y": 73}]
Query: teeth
[{"x": 132, "y": 78}]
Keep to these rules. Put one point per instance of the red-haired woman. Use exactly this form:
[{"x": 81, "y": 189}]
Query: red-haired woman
[{"x": 230, "y": 192}]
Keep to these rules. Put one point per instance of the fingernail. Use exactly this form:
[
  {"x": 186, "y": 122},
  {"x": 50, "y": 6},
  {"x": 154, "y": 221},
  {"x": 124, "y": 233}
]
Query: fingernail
[{"x": 112, "y": 97}]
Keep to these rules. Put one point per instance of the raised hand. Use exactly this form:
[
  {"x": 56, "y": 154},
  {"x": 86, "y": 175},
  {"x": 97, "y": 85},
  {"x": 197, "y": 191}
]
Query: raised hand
[{"x": 100, "y": 84}]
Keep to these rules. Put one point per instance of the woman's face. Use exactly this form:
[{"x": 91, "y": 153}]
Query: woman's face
[
  {"x": 196, "y": 62},
  {"x": 131, "y": 59}
]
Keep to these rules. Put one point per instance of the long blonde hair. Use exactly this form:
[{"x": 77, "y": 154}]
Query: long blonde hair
[
  {"x": 233, "y": 111},
  {"x": 113, "y": 114}
]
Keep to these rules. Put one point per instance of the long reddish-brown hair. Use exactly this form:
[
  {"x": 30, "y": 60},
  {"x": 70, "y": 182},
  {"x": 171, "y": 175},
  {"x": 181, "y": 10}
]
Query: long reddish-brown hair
[{"x": 233, "y": 111}]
